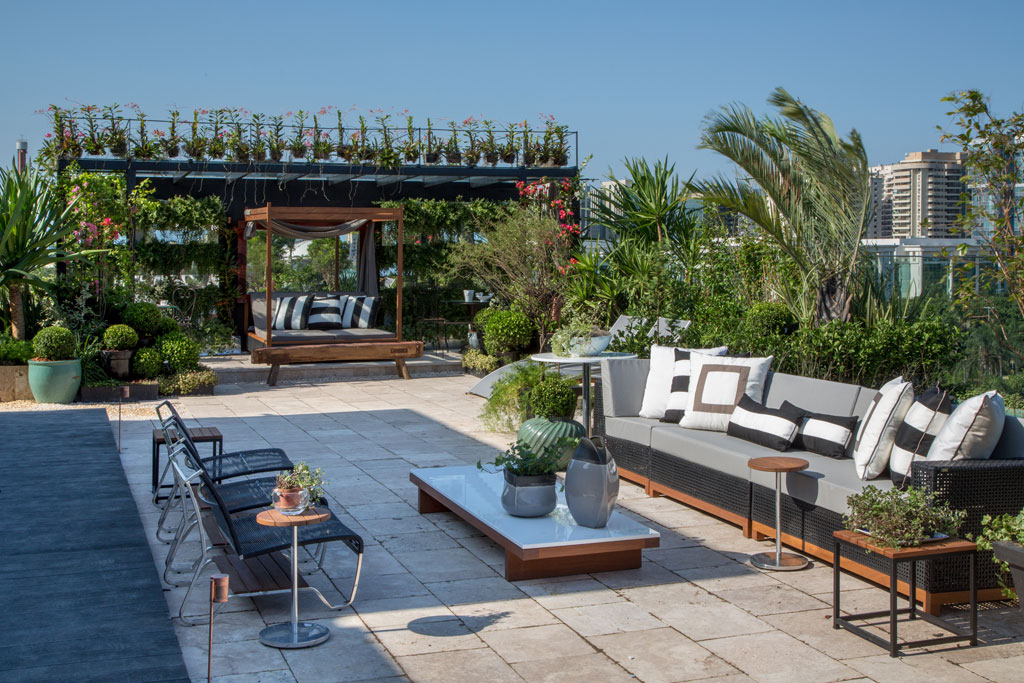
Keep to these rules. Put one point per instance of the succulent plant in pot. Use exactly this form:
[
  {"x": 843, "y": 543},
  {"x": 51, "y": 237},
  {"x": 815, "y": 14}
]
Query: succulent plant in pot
[
  {"x": 553, "y": 403},
  {"x": 297, "y": 489},
  {"x": 195, "y": 146},
  {"x": 118, "y": 342},
  {"x": 55, "y": 373},
  {"x": 530, "y": 480},
  {"x": 452, "y": 153},
  {"x": 275, "y": 138}
]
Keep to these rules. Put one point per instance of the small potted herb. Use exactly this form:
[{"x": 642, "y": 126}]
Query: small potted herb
[
  {"x": 55, "y": 374},
  {"x": 296, "y": 489},
  {"x": 118, "y": 342},
  {"x": 901, "y": 519},
  {"x": 529, "y": 479},
  {"x": 1004, "y": 536}
]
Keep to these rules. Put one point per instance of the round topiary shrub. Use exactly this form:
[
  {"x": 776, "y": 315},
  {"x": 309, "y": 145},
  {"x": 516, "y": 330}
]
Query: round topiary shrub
[
  {"x": 143, "y": 317},
  {"x": 507, "y": 331},
  {"x": 147, "y": 363},
  {"x": 54, "y": 343},
  {"x": 167, "y": 325},
  {"x": 120, "y": 338},
  {"x": 766, "y": 318},
  {"x": 553, "y": 397},
  {"x": 180, "y": 352},
  {"x": 482, "y": 316}
]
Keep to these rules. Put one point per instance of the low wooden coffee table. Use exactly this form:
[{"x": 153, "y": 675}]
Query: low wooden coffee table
[{"x": 535, "y": 547}]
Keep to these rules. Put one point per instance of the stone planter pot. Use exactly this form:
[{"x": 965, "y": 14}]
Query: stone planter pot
[
  {"x": 591, "y": 484},
  {"x": 1013, "y": 555},
  {"x": 118, "y": 363},
  {"x": 55, "y": 381},
  {"x": 532, "y": 496},
  {"x": 14, "y": 383},
  {"x": 540, "y": 432}
]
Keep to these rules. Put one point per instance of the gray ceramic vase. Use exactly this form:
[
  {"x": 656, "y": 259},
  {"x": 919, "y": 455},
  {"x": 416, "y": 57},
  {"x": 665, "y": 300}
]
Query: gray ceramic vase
[
  {"x": 591, "y": 483},
  {"x": 532, "y": 496}
]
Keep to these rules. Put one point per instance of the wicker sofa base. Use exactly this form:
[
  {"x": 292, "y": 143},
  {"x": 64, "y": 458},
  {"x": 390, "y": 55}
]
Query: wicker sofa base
[{"x": 721, "y": 495}]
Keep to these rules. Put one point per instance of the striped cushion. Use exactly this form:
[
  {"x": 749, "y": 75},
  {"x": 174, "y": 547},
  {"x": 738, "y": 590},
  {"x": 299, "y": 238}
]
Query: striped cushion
[
  {"x": 828, "y": 435},
  {"x": 923, "y": 422},
  {"x": 292, "y": 312},
  {"x": 878, "y": 429},
  {"x": 770, "y": 427},
  {"x": 361, "y": 311},
  {"x": 326, "y": 312},
  {"x": 679, "y": 390}
]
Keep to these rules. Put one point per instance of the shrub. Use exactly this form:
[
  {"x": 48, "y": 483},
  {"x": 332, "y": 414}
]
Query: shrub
[
  {"x": 144, "y": 318},
  {"x": 509, "y": 403},
  {"x": 180, "y": 352},
  {"x": 188, "y": 382},
  {"x": 147, "y": 363},
  {"x": 482, "y": 316},
  {"x": 767, "y": 318},
  {"x": 55, "y": 343},
  {"x": 1002, "y": 528},
  {"x": 120, "y": 338},
  {"x": 167, "y": 325},
  {"x": 14, "y": 351},
  {"x": 901, "y": 519},
  {"x": 553, "y": 397},
  {"x": 478, "y": 361},
  {"x": 507, "y": 331}
]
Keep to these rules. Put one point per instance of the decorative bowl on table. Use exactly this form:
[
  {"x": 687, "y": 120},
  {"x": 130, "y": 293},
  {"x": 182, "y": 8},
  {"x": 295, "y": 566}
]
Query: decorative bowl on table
[
  {"x": 483, "y": 298},
  {"x": 590, "y": 346},
  {"x": 290, "y": 501}
]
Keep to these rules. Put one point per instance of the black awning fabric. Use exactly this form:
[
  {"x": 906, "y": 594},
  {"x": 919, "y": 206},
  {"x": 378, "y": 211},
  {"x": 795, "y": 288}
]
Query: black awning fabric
[{"x": 313, "y": 232}]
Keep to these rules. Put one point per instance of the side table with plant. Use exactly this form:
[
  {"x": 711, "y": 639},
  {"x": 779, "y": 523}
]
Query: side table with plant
[
  {"x": 553, "y": 403},
  {"x": 55, "y": 373},
  {"x": 298, "y": 488},
  {"x": 901, "y": 519},
  {"x": 1004, "y": 536}
]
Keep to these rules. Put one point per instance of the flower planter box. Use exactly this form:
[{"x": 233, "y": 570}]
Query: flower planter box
[
  {"x": 137, "y": 391},
  {"x": 14, "y": 383}
]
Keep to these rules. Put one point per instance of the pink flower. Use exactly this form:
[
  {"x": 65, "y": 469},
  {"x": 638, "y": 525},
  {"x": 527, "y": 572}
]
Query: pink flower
[{"x": 106, "y": 221}]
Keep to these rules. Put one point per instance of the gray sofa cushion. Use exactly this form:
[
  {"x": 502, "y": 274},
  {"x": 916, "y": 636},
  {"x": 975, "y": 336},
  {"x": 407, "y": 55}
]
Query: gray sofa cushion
[
  {"x": 826, "y": 483},
  {"x": 622, "y": 384},
  {"x": 314, "y": 336},
  {"x": 1011, "y": 443},
  {"x": 716, "y": 450},
  {"x": 635, "y": 429},
  {"x": 817, "y": 395}
]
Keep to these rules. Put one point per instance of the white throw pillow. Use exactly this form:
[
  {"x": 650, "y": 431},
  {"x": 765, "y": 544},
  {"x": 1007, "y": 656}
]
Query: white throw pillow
[
  {"x": 660, "y": 376},
  {"x": 878, "y": 429},
  {"x": 972, "y": 431},
  {"x": 716, "y": 385}
]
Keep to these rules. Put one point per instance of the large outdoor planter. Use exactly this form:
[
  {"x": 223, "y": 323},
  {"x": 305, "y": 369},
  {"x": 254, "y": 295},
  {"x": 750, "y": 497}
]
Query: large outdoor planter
[
  {"x": 55, "y": 381},
  {"x": 529, "y": 496},
  {"x": 14, "y": 383},
  {"x": 1013, "y": 555},
  {"x": 540, "y": 432}
]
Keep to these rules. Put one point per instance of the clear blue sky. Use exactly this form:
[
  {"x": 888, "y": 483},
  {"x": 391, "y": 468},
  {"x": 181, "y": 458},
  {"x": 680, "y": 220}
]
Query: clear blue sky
[{"x": 635, "y": 78}]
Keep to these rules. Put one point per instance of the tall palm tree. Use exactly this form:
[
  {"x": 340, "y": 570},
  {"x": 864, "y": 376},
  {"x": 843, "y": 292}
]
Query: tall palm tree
[
  {"x": 35, "y": 221},
  {"x": 808, "y": 190}
]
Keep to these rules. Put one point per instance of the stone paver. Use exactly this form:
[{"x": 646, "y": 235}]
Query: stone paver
[{"x": 433, "y": 604}]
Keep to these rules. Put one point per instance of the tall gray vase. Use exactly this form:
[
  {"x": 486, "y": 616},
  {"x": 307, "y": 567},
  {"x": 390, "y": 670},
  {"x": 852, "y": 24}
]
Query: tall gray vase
[{"x": 591, "y": 483}]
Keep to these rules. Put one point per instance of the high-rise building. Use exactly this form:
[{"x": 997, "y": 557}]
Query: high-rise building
[{"x": 917, "y": 197}]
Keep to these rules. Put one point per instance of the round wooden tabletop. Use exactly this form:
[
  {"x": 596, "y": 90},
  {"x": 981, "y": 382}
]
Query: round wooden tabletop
[
  {"x": 274, "y": 517},
  {"x": 778, "y": 463}
]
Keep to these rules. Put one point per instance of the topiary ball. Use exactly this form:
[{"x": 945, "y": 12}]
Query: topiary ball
[
  {"x": 167, "y": 325},
  {"x": 143, "y": 317},
  {"x": 507, "y": 331},
  {"x": 147, "y": 363},
  {"x": 180, "y": 352},
  {"x": 553, "y": 397},
  {"x": 120, "y": 338},
  {"x": 55, "y": 343}
]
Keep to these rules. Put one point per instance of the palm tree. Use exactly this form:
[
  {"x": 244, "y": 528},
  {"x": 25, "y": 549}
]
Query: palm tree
[
  {"x": 808, "y": 190},
  {"x": 34, "y": 223}
]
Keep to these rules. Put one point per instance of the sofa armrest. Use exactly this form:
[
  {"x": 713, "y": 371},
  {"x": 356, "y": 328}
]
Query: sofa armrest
[
  {"x": 982, "y": 487},
  {"x": 622, "y": 386}
]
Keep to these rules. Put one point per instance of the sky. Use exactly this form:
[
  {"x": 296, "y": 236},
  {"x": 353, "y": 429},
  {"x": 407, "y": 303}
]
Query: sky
[{"x": 636, "y": 79}]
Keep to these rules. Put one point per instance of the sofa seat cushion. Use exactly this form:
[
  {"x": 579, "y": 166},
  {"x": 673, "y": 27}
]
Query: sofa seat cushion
[
  {"x": 635, "y": 429},
  {"x": 826, "y": 482},
  {"x": 715, "y": 450},
  {"x": 352, "y": 334}
]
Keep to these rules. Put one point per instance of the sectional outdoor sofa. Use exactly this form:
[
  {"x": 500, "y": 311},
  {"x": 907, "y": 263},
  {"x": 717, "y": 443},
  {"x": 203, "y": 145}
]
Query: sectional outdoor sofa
[{"x": 708, "y": 470}]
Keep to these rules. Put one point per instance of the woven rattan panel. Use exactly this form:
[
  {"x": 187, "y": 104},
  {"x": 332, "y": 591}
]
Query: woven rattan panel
[
  {"x": 722, "y": 490},
  {"x": 630, "y": 455},
  {"x": 598, "y": 415}
]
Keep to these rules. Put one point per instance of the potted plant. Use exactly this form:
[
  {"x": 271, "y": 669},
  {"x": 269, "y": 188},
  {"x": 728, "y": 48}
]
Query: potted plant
[
  {"x": 580, "y": 339},
  {"x": 508, "y": 150},
  {"x": 901, "y": 519},
  {"x": 195, "y": 146},
  {"x": 452, "y": 153},
  {"x": 471, "y": 155},
  {"x": 95, "y": 143},
  {"x": 172, "y": 142},
  {"x": 145, "y": 147},
  {"x": 490, "y": 148},
  {"x": 257, "y": 142},
  {"x": 241, "y": 151},
  {"x": 118, "y": 342},
  {"x": 432, "y": 146},
  {"x": 506, "y": 333},
  {"x": 530, "y": 480},
  {"x": 117, "y": 137},
  {"x": 322, "y": 146},
  {"x": 216, "y": 147},
  {"x": 1004, "y": 536},
  {"x": 14, "y": 355},
  {"x": 387, "y": 156},
  {"x": 477, "y": 363},
  {"x": 553, "y": 403},
  {"x": 296, "y": 489},
  {"x": 275, "y": 140},
  {"x": 55, "y": 373},
  {"x": 411, "y": 147}
]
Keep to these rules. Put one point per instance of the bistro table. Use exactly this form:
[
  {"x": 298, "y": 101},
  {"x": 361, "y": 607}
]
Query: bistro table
[
  {"x": 297, "y": 633},
  {"x": 586, "y": 362},
  {"x": 778, "y": 561}
]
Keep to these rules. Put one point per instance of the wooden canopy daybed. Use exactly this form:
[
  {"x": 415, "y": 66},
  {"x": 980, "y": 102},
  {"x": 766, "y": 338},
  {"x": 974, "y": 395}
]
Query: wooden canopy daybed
[{"x": 277, "y": 347}]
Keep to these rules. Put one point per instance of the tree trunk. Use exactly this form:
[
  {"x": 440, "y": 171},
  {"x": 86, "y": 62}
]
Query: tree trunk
[
  {"x": 833, "y": 302},
  {"x": 17, "y": 310}
]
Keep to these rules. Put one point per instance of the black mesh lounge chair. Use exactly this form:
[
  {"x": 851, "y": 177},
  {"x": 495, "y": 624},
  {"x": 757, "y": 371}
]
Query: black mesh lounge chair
[{"x": 247, "y": 539}]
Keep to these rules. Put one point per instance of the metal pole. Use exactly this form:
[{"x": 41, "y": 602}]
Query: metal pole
[
  {"x": 21, "y": 153},
  {"x": 295, "y": 584},
  {"x": 778, "y": 518},
  {"x": 218, "y": 593}
]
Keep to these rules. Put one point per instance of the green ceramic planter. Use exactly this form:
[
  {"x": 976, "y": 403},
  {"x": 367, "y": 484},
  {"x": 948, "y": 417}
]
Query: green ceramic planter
[
  {"x": 54, "y": 381},
  {"x": 539, "y": 432}
]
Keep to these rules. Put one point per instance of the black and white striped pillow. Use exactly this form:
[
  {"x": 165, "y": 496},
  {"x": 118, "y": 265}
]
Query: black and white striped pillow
[
  {"x": 828, "y": 435},
  {"x": 922, "y": 424},
  {"x": 770, "y": 427},
  {"x": 326, "y": 312},
  {"x": 679, "y": 393},
  {"x": 361, "y": 311},
  {"x": 292, "y": 312}
]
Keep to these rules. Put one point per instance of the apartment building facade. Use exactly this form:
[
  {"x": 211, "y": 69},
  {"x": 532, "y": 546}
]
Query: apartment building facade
[{"x": 919, "y": 197}]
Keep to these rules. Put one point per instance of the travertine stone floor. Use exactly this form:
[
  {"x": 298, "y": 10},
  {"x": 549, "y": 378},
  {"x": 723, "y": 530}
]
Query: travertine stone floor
[{"x": 433, "y": 606}]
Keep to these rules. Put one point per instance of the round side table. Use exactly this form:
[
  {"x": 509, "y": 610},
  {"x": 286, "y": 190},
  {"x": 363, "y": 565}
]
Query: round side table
[
  {"x": 586, "y": 362},
  {"x": 297, "y": 633},
  {"x": 779, "y": 561}
]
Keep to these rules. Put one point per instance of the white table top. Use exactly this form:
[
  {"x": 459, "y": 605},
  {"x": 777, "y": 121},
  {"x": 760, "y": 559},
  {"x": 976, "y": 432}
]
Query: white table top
[
  {"x": 478, "y": 492},
  {"x": 607, "y": 355}
]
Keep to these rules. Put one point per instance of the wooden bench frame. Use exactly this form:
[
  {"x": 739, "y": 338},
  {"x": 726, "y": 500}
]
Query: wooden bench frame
[{"x": 397, "y": 351}]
